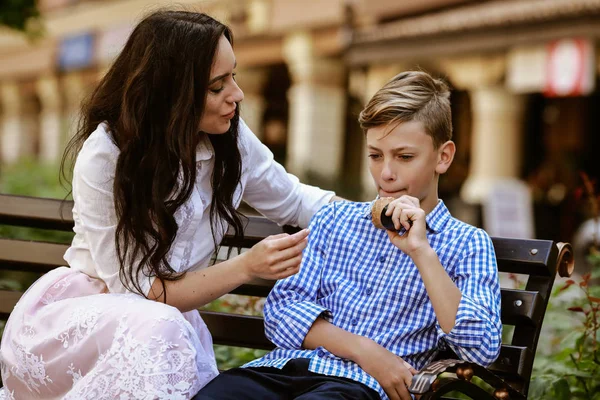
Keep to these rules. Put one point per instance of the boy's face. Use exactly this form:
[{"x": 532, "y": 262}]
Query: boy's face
[{"x": 403, "y": 161}]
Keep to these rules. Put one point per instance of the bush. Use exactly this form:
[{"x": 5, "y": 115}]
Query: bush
[
  {"x": 571, "y": 370},
  {"x": 567, "y": 365}
]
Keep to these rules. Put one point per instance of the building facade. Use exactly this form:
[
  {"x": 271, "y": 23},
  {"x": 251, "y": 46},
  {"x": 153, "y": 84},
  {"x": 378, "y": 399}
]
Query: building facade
[{"x": 523, "y": 75}]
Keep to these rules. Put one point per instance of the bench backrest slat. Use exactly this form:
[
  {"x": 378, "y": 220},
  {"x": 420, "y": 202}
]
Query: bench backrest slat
[
  {"x": 36, "y": 212},
  {"x": 41, "y": 257},
  {"x": 521, "y": 307}
]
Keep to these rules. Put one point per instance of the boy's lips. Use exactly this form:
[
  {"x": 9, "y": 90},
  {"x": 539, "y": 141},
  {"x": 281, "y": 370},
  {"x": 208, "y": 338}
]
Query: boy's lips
[{"x": 393, "y": 193}]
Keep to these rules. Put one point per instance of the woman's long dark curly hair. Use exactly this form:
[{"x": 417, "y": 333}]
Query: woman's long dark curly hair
[{"x": 152, "y": 99}]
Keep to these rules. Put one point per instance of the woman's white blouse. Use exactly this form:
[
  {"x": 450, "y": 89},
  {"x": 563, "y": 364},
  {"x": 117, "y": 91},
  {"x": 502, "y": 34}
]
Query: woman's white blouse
[{"x": 264, "y": 185}]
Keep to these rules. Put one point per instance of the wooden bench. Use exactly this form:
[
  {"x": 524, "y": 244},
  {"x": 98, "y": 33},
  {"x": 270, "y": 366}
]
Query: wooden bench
[{"x": 538, "y": 260}]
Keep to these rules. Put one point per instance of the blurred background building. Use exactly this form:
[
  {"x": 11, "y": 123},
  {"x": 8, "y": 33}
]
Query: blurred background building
[{"x": 523, "y": 72}]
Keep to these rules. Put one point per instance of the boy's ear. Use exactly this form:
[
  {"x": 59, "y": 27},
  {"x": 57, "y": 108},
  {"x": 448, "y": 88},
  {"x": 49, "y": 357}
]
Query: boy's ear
[{"x": 445, "y": 156}]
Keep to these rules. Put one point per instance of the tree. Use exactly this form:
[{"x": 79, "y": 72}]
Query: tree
[{"x": 16, "y": 14}]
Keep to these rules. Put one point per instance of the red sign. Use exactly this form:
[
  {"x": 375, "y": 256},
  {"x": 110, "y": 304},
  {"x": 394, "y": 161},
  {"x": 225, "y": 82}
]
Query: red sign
[{"x": 570, "y": 68}]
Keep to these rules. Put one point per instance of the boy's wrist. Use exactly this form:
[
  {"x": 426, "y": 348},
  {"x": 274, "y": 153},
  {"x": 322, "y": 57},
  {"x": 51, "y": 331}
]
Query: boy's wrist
[
  {"x": 361, "y": 349},
  {"x": 422, "y": 255}
]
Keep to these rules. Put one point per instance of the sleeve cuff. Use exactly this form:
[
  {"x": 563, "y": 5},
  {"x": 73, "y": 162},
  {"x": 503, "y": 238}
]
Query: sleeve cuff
[
  {"x": 294, "y": 326},
  {"x": 468, "y": 329}
]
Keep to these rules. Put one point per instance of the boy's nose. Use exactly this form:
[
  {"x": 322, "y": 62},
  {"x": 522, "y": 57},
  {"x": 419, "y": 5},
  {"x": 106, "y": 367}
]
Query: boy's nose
[{"x": 387, "y": 174}]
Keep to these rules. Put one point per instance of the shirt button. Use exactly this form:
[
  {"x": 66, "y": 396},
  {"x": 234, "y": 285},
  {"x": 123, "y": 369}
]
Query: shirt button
[
  {"x": 369, "y": 291},
  {"x": 381, "y": 258},
  {"x": 320, "y": 353},
  {"x": 354, "y": 321}
]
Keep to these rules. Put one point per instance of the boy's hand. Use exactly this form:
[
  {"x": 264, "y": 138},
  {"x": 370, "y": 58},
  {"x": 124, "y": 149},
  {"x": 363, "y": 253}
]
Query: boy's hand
[
  {"x": 406, "y": 212},
  {"x": 390, "y": 371}
]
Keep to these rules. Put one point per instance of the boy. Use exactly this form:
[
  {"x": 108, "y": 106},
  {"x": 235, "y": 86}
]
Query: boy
[{"x": 367, "y": 305}]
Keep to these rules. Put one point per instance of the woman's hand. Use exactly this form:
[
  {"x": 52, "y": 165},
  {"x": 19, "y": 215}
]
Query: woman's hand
[
  {"x": 275, "y": 257},
  {"x": 390, "y": 371}
]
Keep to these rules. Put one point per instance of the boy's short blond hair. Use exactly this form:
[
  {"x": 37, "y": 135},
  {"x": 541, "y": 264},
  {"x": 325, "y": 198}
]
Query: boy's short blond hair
[{"x": 412, "y": 96}]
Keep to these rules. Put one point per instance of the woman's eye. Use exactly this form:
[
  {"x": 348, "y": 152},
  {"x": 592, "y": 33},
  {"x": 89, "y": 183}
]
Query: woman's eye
[{"x": 217, "y": 91}]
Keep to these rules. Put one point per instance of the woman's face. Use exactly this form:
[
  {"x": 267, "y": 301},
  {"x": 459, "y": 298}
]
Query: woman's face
[{"x": 223, "y": 91}]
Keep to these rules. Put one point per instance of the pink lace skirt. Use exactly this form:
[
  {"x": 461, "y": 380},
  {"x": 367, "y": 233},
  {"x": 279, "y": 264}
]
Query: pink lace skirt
[{"x": 68, "y": 338}]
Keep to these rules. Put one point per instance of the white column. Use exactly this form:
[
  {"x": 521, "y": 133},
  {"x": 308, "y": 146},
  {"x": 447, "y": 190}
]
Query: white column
[
  {"x": 317, "y": 100},
  {"x": 252, "y": 81},
  {"x": 259, "y": 14},
  {"x": 51, "y": 143},
  {"x": 73, "y": 87},
  {"x": 497, "y": 123},
  {"x": 12, "y": 140},
  {"x": 497, "y": 129}
]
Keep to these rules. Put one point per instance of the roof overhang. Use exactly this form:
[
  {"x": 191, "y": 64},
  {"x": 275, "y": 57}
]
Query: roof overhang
[{"x": 476, "y": 28}]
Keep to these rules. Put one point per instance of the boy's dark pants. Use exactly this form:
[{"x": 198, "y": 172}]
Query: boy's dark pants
[{"x": 293, "y": 381}]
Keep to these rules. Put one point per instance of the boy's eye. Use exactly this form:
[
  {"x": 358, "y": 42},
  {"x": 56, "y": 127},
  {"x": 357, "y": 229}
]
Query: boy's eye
[
  {"x": 405, "y": 156},
  {"x": 374, "y": 156}
]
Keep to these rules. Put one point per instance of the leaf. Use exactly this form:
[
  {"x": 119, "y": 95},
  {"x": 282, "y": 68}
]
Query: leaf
[
  {"x": 587, "y": 365},
  {"x": 567, "y": 285},
  {"x": 562, "y": 391},
  {"x": 586, "y": 277},
  {"x": 560, "y": 369},
  {"x": 594, "y": 299},
  {"x": 567, "y": 344},
  {"x": 576, "y": 309},
  {"x": 538, "y": 387}
]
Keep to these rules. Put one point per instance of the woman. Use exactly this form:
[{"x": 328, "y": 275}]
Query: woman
[{"x": 163, "y": 161}]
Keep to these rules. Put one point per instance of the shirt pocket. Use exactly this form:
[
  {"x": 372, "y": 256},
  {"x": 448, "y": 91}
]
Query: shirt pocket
[{"x": 407, "y": 288}]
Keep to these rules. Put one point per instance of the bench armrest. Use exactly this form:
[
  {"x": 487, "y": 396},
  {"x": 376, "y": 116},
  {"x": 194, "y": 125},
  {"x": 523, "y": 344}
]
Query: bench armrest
[{"x": 429, "y": 384}]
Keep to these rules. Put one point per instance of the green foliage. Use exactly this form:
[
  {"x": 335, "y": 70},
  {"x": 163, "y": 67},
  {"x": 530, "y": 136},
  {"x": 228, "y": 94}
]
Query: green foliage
[
  {"x": 18, "y": 14},
  {"x": 230, "y": 357},
  {"x": 567, "y": 364},
  {"x": 32, "y": 178},
  {"x": 572, "y": 368}
]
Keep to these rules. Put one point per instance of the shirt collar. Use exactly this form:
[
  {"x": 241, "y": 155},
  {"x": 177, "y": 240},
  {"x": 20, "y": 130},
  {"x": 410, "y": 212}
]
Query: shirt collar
[
  {"x": 435, "y": 220},
  {"x": 438, "y": 217},
  {"x": 204, "y": 150}
]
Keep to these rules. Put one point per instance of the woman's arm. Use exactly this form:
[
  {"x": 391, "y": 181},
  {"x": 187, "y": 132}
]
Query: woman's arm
[{"x": 276, "y": 257}]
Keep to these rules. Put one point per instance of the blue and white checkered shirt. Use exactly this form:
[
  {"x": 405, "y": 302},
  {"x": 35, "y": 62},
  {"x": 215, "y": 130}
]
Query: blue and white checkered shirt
[{"x": 358, "y": 280}]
